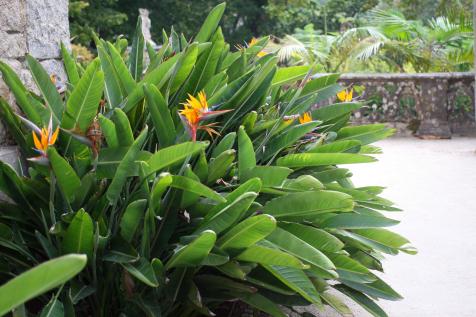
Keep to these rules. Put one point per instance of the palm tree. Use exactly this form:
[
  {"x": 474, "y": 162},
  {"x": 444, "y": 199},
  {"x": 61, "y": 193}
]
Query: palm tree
[{"x": 388, "y": 42}]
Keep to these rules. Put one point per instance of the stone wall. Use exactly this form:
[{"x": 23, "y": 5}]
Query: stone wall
[
  {"x": 34, "y": 27},
  {"x": 430, "y": 105}
]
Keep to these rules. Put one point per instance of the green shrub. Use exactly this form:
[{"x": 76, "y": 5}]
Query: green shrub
[{"x": 176, "y": 220}]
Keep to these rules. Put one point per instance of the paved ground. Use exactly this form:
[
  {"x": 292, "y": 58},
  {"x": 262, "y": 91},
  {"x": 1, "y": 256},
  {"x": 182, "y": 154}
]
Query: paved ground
[{"x": 435, "y": 183}]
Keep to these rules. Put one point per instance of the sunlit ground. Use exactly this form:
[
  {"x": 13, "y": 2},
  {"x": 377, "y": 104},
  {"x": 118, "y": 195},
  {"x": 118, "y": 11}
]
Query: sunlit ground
[{"x": 435, "y": 183}]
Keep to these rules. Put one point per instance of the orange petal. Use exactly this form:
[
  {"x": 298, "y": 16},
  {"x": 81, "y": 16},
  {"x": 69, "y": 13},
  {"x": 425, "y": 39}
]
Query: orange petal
[
  {"x": 44, "y": 141},
  {"x": 36, "y": 141},
  {"x": 54, "y": 137}
]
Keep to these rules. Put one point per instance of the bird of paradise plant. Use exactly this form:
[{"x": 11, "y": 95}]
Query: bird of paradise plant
[{"x": 42, "y": 139}]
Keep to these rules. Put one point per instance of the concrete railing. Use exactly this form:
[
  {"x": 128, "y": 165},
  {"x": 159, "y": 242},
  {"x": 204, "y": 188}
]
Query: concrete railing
[{"x": 431, "y": 104}]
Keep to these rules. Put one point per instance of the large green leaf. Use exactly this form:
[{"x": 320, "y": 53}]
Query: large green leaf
[
  {"x": 220, "y": 165},
  {"x": 247, "y": 232},
  {"x": 193, "y": 186},
  {"x": 229, "y": 215},
  {"x": 378, "y": 289},
  {"x": 286, "y": 75},
  {"x": 194, "y": 253},
  {"x": 366, "y": 134},
  {"x": 299, "y": 248},
  {"x": 332, "y": 112},
  {"x": 287, "y": 138},
  {"x": 79, "y": 237},
  {"x": 262, "y": 303},
  {"x": 69, "y": 66},
  {"x": 174, "y": 154},
  {"x": 270, "y": 256},
  {"x": 386, "y": 238},
  {"x": 318, "y": 238},
  {"x": 322, "y": 159},
  {"x": 125, "y": 168},
  {"x": 308, "y": 203},
  {"x": 47, "y": 88},
  {"x": 211, "y": 23},
  {"x": 131, "y": 218},
  {"x": 136, "y": 57},
  {"x": 125, "y": 136},
  {"x": 22, "y": 96},
  {"x": 246, "y": 153},
  {"x": 364, "y": 301},
  {"x": 83, "y": 102},
  {"x": 143, "y": 271},
  {"x": 160, "y": 115},
  {"x": 225, "y": 144},
  {"x": 68, "y": 180},
  {"x": 296, "y": 280},
  {"x": 336, "y": 147},
  {"x": 350, "y": 269},
  {"x": 357, "y": 221},
  {"x": 271, "y": 176},
  {"x": 39, "y": 280}
]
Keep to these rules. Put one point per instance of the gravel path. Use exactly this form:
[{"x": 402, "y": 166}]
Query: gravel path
[{"x": 434, "y": 181}]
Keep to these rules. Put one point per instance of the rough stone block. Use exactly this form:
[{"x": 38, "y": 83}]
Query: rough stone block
[
  {"x": 47, "y": 26},
  {"x": 12, "y": 15},
  {"x": 12, "y": 44},
  {"x": 55, "y": 67}
]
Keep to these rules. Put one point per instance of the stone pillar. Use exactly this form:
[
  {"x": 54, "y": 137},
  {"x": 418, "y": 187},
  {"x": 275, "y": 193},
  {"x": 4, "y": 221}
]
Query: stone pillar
[
  {"x": 433, "y": 115},
  {"x": 34, "y": 27}
]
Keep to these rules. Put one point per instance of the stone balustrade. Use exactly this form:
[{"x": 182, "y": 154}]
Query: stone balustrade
[{"x": 432, "y": 105}]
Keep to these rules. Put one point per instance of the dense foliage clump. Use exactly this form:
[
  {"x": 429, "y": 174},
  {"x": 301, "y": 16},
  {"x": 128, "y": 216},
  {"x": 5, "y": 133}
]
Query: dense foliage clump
[{"x": 178, "y": 186}]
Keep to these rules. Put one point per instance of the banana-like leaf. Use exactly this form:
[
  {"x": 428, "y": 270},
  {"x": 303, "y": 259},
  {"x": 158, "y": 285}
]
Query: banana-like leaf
[
  {"x": 143, "y": 271},
  {"x": 39, "y": 280},
  {"x": 386, "y": 238},
  {"x": 336, "y": 147},
  {"x": 287, "y": 75},
  {"x": 194, "y": 253},
  {"x": 131, "y": 218},
  {"x": 124, "y": 133},
  {"x": 336, "y": 303},
  {"x": 193, "y": 186},
  {"x": 69, "y": 66},
  {"x": 174, "y": 154},
  {"x": 225, "y": 144},
  {"x": 271, "y": 176},
  {"x": 331, "y": 112},
  {"x": 246, "y": 153},
  {"x": 83, "y": 103},
  {"x": 125, "y": 168},
  {"x": 108, "y": 129},
  {"x": 211, "y": 23},
  {"x": 220, "y": 165},
  {"x": 247, "y": 233},
  {"x": 366, "y": 134},
  {"x": 300, "y": 248},
  {"x": 47, "y": 88},
  {"x": 308, "y": 203},
  {"x": 22, "y": 96},
  {"x": 136, "y": 59},
  {"x": 79, "y": 237},
  {"x": 350, "y": 269},
  {"x": 262, "y": 303},
  {"x": 378, "y": 289},
  {"x": 318, "y": 238},
  {"x": 68, "y": 180},
  {"x": 296, "y": 280},
  {"x": 357, "y": 221},
  {"x": 322, "y": 159},
  {"x": 228, "y": 215},
  {"x": 270, "y": 256},
  {"x": 361, "y": 299},
  {"x": 287, "y": 138},
  {"x": 160, "y": 115}
]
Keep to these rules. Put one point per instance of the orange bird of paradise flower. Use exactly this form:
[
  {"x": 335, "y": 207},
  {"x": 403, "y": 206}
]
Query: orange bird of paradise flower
[
  {"x": 253, "y": 41},
  {"x": 345, "y": 96},
  {"x": 195, "y": 111},
  {"x": 305, "y": 118},
  {"x": 46, "y": 138}
]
